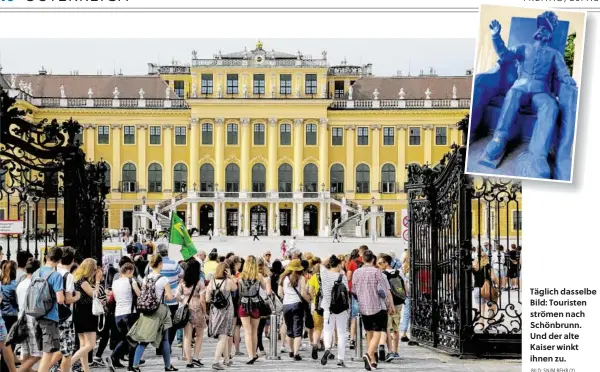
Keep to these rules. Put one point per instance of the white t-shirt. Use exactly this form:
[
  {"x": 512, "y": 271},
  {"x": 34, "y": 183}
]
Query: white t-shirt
[
  {"x": 22, "y": 294},
  {"x": 123, "y": 296},
  {"x": 70, "y": 287},
  {"x": 289, "y": 293},
  {"x": 160, "y": 284}
]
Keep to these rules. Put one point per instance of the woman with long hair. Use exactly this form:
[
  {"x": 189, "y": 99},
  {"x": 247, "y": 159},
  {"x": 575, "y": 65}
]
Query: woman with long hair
[
  {"x": 9, "y": 305},
  {"x": 191, "y": 291},
  {"x": 221, "y": 318},
  {"x": 154, "y": 328},
  {"x": 235, "y": 268},
  {"x": 482, "y": 285},
  {"x": 263, "y": 270},
  {"x": 249, "y": 284},
  {"x": 291, "y": 285},
  {"x": 87, "y": 278},
  {"x": 406, "y": 313}
]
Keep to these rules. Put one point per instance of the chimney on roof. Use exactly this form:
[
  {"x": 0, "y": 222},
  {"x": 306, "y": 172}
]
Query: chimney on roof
[
  {"x": 469, "y": 72},
  {"x": 120, "y": 72}
]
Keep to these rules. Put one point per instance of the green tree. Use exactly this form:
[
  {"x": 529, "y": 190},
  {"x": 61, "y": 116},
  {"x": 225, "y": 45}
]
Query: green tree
[{"x": 570, "y": 51}]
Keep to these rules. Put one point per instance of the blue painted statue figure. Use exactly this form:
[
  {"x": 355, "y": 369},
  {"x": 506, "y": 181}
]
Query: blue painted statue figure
[{"x": 537, "y": 65}]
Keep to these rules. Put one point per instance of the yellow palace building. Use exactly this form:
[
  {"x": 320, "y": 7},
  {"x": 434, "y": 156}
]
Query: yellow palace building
[{"x": 285, "y": 144}]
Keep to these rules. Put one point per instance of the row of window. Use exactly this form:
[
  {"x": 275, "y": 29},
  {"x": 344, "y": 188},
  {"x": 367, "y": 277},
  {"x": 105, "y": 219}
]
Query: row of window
[
  {"x": 285, "y": 135},
  {"x": 387, "y": 183},
  {"x": 258, "y": 84}
]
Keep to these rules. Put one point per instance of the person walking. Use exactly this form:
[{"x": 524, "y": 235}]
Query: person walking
[
  {"x": 210, "y": 234},
  {"x": 283, "y": 249},
  {"x": 87, "y": 280},
  {"x": 154, "y": 328},
  {"x": 191, "y": 292},
  {"x": 291, "y": 285},
  {"x": 9, "y": 305},
  {"x": 366, "y": 284},
  {"x": 263, "y": 270},
  {"x": 396, "y": 280},
  {"x": 335, "y": 320},
  {"x": 255, "y": 234},
  {"x": 249, "y": 284},
  {"x": 220, "y": 325},
  {"x": 30, "y": 353}
]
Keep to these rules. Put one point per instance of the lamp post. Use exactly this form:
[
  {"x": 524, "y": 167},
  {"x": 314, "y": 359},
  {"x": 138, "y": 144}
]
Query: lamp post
[{"x": 143, "y": 200}]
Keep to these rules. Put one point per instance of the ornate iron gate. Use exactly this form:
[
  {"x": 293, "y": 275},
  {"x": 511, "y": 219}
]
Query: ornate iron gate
[
  {"x": 46, "y": 183},
  {"x": 452, "y": 217}
]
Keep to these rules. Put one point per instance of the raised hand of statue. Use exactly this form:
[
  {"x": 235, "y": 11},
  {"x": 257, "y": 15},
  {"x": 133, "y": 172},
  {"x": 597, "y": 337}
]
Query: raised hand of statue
[{"x": 495, "y": 27}]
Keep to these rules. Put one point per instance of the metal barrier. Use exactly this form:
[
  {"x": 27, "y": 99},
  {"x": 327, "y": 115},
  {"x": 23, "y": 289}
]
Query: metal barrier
[{"x": 274, "y": 337}]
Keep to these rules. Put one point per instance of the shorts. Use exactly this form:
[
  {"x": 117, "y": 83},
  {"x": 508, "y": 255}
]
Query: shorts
[
  {"x": 376, "y": 322},
  {"x": 67, "y": 337},
  {"x": 500, "y": 272},
  {"x": 354, "y": 308},
  {"x": 29, "y": 347},
  {"x": 49, "y": 342},
  {"x": 394, "y": 319},
  {"x": 293, "y": 315},
  {"x": 477, "y": 297},
  {"x": 318, "y": 320},
  {"x": 254, "y": 314},
  {"x": 3, "y": 333}
]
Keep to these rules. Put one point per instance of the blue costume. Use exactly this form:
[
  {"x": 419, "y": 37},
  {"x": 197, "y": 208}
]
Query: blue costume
[{"x": 537, "y": 65}]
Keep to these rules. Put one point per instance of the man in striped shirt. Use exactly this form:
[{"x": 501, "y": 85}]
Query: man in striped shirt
[
  {"x": 174, "y": 272},
  {"x": 374, "y": 309}
]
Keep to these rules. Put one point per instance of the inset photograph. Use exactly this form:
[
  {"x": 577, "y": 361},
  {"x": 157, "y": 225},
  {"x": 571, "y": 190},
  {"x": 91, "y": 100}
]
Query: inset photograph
[{"x": 528, "y": 67}]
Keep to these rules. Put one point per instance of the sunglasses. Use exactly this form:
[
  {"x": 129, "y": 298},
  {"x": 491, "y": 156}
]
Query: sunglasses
[{"x": 268, "y": 254}]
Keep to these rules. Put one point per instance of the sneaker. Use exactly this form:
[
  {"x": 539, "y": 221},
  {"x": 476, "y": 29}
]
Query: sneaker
[
  {"x": 396, "y": 356},
  {"x": 325, "y": 357},
  {"x": 282, "y": 350},
  {"x": 341, "y": 363},
  {"x": 302, "y": 347},
  {"x": 238, "y": 353},
  {"x": 297, "y": 357},
  {"x": 95, "y": 364},
  {"x": 291, "y": 354},
  {"x": 190, "y": 365},
  {"x": 218, "y": 367},
  {"x": 331, "y": 356},
  {"x": 133, "y": 369},
  {"x": 404, "y": 339},
  {"x": 381, "y": 356},
  {"x": 352, "y": 344},
  {"x": 389, "y": 357},
  {"x": 261, "y": 353},
  {"x": 367, "y": 360},
  {"x": 197, "y": 362},
  {"x": 315, "y": 354}
]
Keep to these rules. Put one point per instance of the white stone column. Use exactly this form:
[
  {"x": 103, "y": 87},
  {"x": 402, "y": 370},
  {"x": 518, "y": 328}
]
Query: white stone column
[
  {"x": 188, "y": 214},
  {"x": 294, "y": 215},
  {"x": 247, "y": 219},
  {"x": 240, "y": 219},
  {"x": 134, "y": 225},
  {"x": 224, "y": 219},
  {"x": 322, "y": 221},
  {"x": 216, "y": 220},
  {"x": 277, "y": 219},
  {"x": 195, "y": 215},
  {"x": 270, "y": 226},
  {"x": 382, "y": 226},
  {"x": 300, "y": 219}
]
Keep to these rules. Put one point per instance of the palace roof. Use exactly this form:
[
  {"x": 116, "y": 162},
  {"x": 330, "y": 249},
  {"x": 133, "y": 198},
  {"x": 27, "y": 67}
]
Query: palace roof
[
  {"x": 102, "y": 86},
  {"x": 440, "y": 87}
]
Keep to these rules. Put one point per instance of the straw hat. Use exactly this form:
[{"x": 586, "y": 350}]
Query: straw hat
[{"x": 295, "y": 265}]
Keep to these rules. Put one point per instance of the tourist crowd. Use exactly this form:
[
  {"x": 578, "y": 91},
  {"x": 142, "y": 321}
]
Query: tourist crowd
[{"x": 61, "y": 315}]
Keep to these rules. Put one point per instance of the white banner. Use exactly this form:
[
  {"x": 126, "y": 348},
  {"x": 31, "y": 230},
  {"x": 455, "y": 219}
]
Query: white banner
[{"x": 11, "y": 227}]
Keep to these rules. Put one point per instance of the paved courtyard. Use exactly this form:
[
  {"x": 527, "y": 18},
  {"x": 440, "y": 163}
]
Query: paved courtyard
[{"x": 414, "y": 358}]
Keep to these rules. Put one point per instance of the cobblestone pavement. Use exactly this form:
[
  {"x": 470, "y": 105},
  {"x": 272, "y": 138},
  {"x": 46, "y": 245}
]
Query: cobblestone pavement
[{"x": 414, "y": 358}]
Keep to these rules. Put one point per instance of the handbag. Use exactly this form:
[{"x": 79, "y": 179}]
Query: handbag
[
  {"x": 277, "y": 304},
  {"x": 19, "y": 332},
  {"x": 182, "y": 315},
  {"x": 98, "y": 310},
  {"x": 488, "y": 292},
  {"x": 308, "y": 319},
  {"x": 265, "y": 306}
]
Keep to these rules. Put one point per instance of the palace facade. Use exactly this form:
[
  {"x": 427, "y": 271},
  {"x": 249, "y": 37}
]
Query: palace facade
[{"x": 286, "y": 144}]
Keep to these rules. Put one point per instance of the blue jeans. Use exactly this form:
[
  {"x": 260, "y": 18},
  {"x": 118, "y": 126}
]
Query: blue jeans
[
  {"x": 405, "y": 322},
  {"x": 166, "y": 351}
]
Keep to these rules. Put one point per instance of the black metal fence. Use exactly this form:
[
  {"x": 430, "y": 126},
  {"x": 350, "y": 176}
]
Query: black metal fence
[
  {"x": 46, "y": 183},
  {"x": 466, "y": 297}
]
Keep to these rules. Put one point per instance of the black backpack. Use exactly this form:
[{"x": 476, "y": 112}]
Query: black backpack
[
  {"x": 339, "y": 297},
  {"x": 319, "y": 297},
  {"x": 218, "y": 299},
  {"x": 396, "y": 287}
]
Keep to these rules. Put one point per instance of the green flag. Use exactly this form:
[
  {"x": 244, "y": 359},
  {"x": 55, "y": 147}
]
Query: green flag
[{"x": 180, "y": 236}]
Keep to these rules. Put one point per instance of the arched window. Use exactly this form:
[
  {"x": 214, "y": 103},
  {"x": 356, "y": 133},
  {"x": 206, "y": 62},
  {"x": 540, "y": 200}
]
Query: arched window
[
  {"x": 336, "y": 179},
  {"x": 232, "y": 178},
  {"x": 154, "y": 178},
  {"x": 363, "y": 175},
  {"x": 258, "y": 178},
  {"x": 107, "y": 175},
  {"x": 180, "y": 178},
  {"x": 129, "y": 178},
  {"x": 310, "y": 178},
  {"x": 207, "y": 177},
  {"x": 284, "y": 179},
  {"x": 388, "y": 179}
]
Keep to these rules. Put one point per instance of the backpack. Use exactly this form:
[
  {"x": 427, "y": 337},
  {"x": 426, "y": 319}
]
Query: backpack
[
  {"x": 339, "y": 297},
  {"x": 319, "y": 297},
  {"x": 147, "y": 302},
  {"x": 249, "y": 289},
  {"x": 40, "y": 296},
  {"x": 218, "y": 300},
  {"x": 182, "y": 315},
  {"x": 396, "y": 287}
]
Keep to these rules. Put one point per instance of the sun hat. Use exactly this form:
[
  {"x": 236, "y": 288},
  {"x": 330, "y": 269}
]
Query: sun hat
[{"x": 295, "y": 265}]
